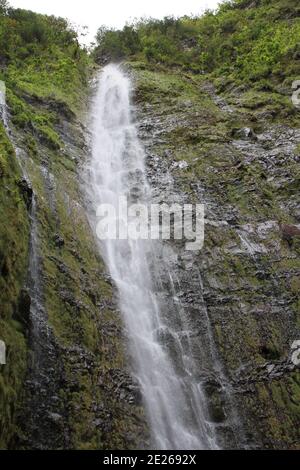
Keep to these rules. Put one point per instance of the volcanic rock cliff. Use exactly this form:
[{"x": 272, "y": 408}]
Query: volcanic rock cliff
[
  {"x": 226, "y": 151},
  {"x": 213, "y": 134}
]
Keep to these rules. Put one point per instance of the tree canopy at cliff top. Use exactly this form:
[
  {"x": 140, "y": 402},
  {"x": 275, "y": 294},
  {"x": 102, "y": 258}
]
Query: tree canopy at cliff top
[{"x": 254, "y": 38}]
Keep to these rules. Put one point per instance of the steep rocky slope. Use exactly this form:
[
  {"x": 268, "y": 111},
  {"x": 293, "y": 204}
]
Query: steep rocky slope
[
  {"x": 14, "y": 247},
  {"x": 230, "y": 152},
  {"x": 66, "y": 382},
  {"x": 218, "y": 128},
  {"x": 75, "y": 391}
]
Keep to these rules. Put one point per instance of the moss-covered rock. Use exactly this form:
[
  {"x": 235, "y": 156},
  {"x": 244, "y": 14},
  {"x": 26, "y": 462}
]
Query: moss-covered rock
[
  {"x": 66, "y": 383},
  {"x": 14, "y": 245},
  {"x": 77, "y": 367},
  {"x": 240, "y": 160}
]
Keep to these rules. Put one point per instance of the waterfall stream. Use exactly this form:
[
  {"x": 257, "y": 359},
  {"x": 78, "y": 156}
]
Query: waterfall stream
[
  {"x": 3, "y": 107},
  {"x": 161, "y": 358}
]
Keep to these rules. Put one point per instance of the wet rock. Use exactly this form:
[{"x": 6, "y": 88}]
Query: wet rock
[
  {"x": 26, "y": 191},
  {"x": 58, "y": 240},
  {"x": 244, "y": 272},
  {"x": 98, "y": 423},
  {"x": 127, "y": 389},
  {"x": 244, "y": 133},
  {"x": 181, "y": 165},
  {"x": 213, "y": 391},
  {"x": 57, "y": 375},
  {"x": 55, "y": 418},
  {"x": 23, "y": 312},
  {"x": 289, "y": 232}
]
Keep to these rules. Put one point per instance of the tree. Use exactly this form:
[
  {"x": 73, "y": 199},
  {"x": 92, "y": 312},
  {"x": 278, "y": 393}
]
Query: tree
[{"x": 4, "y": 6}]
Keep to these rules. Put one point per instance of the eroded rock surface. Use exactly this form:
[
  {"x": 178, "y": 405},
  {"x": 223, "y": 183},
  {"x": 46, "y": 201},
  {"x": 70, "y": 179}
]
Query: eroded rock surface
[
  {"x": 239, "y": 294},
  {"x": 77, "y": 392}
]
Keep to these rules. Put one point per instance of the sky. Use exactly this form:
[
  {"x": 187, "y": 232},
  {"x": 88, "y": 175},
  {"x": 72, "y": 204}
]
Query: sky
[{"x": 112, "y": 13}]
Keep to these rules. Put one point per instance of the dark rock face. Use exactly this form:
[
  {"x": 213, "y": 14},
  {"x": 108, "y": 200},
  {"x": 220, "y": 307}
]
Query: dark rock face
[
  {"x": 26, "y": 191},
  {"x": 239, "y": 293},
  {"x": 289, "y": 232},
  {"x": 246, "y": 133},
  {"x": 237, "y": 298},
  {"x": 77, "y": 393},
  {"x": 23, "y": 313},
  {"x": 58, "y": 240}
]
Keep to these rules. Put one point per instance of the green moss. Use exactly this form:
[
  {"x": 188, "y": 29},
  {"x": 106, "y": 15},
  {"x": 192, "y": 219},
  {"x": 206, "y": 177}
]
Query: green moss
[
  {"x": 77, "y": 300},
  {"x": 253, "y": 44},
  {"x": 49, "y": 136},
  {"x": 46, "y": 82},
  {"x": 37, "y": 123},
  {"x": 14, "y": 240}
]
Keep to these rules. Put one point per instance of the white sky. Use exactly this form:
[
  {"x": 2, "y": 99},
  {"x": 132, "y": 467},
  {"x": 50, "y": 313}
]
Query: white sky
[{"x": 113, "y": 13}]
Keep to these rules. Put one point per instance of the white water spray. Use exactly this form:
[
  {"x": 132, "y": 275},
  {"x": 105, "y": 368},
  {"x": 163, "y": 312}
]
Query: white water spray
[
  {"x": 3, "y": 106},
  {"x": 173, "y": 399}
]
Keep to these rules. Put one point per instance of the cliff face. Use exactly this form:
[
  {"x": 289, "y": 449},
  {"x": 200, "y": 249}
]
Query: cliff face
[
  {"x": 213, "y": 96},
  {"x": 63, "y": 328},
  {"x": 240, "y": 292},
  {"x": 66, "y": 382},
  {"x": 14, "y": 245},
  {"x": 66, "y": 361},
  {"x": 225, "y": 140}
]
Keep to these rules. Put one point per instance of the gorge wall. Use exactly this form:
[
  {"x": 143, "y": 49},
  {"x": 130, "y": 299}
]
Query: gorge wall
[
  {"x": 219, "y": 149},
  {"x": 66, "y": 383},
  {"x": 210, "y": 137}
]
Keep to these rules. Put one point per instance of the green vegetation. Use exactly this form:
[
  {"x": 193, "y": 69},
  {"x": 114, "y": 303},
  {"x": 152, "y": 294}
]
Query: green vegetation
[
  {"x": 195, "y": 127},
  {"x": 14, "y": 238},
  {"x": 46, "y": 75},
  {"x": 249, "y": 40},
  {"x": 249, "y": 49},
  {"x": 41, "y": 57}
]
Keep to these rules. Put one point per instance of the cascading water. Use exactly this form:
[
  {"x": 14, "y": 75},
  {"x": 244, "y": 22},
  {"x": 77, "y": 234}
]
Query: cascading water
[
  {"x": 173, "y": 398},
  {"x": 3, "y": 106}
]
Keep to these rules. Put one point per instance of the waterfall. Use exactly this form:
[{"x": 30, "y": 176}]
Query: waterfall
[
  {"x": 173, "y": 398},
  {"x": 3, "y": 107}
]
